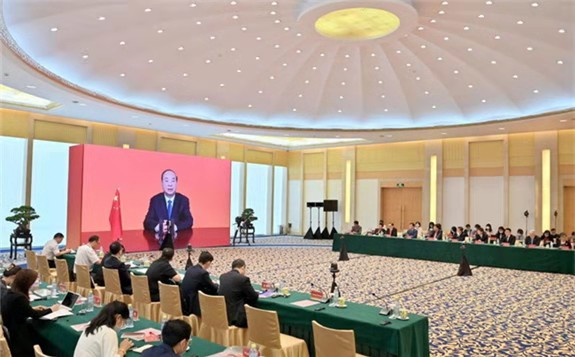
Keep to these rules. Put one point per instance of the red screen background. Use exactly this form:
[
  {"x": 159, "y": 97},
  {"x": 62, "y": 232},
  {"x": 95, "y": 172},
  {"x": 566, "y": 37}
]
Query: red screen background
[{"x": 97, "y": 171}]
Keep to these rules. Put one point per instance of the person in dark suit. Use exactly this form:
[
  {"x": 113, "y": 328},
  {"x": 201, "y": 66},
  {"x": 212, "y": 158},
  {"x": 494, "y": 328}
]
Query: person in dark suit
[
  {"x": 460, "y": 234},
  {"x": 176, "y": 336},
  {"x": 480, "y": 235},
  {"x": 169, "y": 211},
  {"x": 532, "y": 239},
  {"x": 508, "y": 237},
  {"x": 237, "y": 290},
  {"x": 113, "y": 260},
  {"x": 411, "y": 232},
  {"x": 161, "y": 270},
  {"x": 16, "y": 310},
  {"x": 391, "y": 230},
  {"x": 197, "y": 278}
]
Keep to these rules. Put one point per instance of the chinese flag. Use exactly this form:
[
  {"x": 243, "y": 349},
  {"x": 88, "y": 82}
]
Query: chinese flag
[{"x": 116, "y": 218}]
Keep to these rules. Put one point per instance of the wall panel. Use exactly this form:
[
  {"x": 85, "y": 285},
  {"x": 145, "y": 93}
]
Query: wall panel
[
  {"x": 53, "y": 131},
  {"x": 521, "y": 198},
  {"x": 390, "y": 157},
  {"x": 295, "y": 206},
  {"x": 486, "y": 201},
  {"x": 14, "y": 123},
  {"x": 334, "y": 192},
  {"x": 105, "y": 135},
  {"x": 313, "y": 192},
  {"x": 177, "y": 146},
  {"x": 453, "y": 202},
  {"x": 367, "y": 204}
]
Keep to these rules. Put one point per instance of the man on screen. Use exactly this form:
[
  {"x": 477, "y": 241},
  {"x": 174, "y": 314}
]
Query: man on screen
[{"x": 169, "y": 211}]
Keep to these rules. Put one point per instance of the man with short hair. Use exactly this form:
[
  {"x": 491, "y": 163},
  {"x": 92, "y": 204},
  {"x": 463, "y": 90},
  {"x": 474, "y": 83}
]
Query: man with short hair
[
  {"x": 532, "y": 239},
  {"x": 411, "y": 232},
  {"x": 86, "y": 254},
  {"x": 113, "y": 260},
  {"x": 197, "y": 279},
  {"x": 356, "y": 228},
  {"x": 176, "y": 336},
  {"x": 51, "y": 249},
  {"x": 508, "y": 237},
  {"x": 161, "y": 270},
  {"x": 238, "y": 291}
]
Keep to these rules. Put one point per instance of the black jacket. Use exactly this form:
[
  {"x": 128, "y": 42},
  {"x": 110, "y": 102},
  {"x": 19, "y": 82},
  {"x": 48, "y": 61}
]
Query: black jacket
[
  {"x": 16, "y": 310},
  {"x": 196, "y": 279},
  {"x": 237, "y": 290},
  {"x": 511, "y": 240}
]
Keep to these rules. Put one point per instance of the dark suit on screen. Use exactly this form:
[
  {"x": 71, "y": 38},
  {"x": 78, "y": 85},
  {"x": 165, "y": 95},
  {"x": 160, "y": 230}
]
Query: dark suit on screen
[
  {"x": 158, "y": 212},
  {"x": 196, "y": 279},
  {"x": 237, "y": 290}
]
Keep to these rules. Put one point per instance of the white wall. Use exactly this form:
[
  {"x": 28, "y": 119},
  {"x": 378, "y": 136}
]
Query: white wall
[
  {"x": 366, "y": 204},
  {"x": 237, "y": 193},
  {"x": 295, "y": 206},
  {"x": 280, "y": 194},
  {"x": 313, "y": 192},
  {"x": 521, "y": 198},
  {"x": 486, "y": 201},
  {"x": 12, "y": 182},
  {"x": 259, "y": 194},
  {"x": 334, "y": 193},
  {"x": 453, "y": 202}
]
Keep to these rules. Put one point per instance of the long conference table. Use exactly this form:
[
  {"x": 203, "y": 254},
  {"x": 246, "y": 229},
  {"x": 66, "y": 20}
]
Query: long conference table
[
  {"x": 399, "y": 338},
  {"x": 513, "y": 257}
]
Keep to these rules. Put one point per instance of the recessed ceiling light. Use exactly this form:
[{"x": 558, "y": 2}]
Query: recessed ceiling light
[
  {"x": 122, "y": 74},
  {"x": 147, "y": 9},
  {"x": 208, "y": 61},
  {"x": 440, "y": 58},
  {"x": 84, "y": 56},
  {"x": 222, "y": 85},
  {"x": 420, "y": 28},
  {"x": 342, "y": 83},
  {"x": 297, "y": 51},
  {"x": 520, "y": 22},
  {"x": 481, "y": 16},
  {"x": 298, "y": 34},
  {"x": 497, "y": 37},
  {"x": 483, "y": 101},
  {"x": 441, "y": 12},
  {"x": 347, "y": 56},
  {"x": 257, "y": 58},
  {"x": 446, "y": 38},
  {"x": 198, "y": 22},
  {"x": 277, "y": 21},
  {"x": 272, "y": 78},
  {"x": 272, "y": 12},
  {"x": 534, "y": 4},
  {"x": 239, "y": 70},
  {"x": 380, "y": 82},
  {"x": 150, "y": 61},
  {"x": 563, "y": 120},
  {"x": 286, "y": 28},
  {"x": 515, "y": 76},
  {"x": 444, "y": 3},
  {"x": 536, "y": 91},
  {"x": 249, "y": 105},
  {"x": 426, "y": 92},
  {"x": 244, "y": 28},
  {"x": 561, "y": 31},
  {"x": 433, "y": 21},
  {"x": 122, "y": 43},
  {"x": 470, "y": 86},
  {"x": 382, "y": 96},
  {"x": 423, "y": 46},
  {"x": 101, "y": 18},
  {"x": 455, "y": 71},
  {"x": 163, "y": 89},
  {"x": 398, "y": 52},
  {"x": 181, "y": 48},
  {"x": 233, "y": 3},
  {"x": 31, "y": 86},
  {"x": 386, "y": 110},
  {"x": 529, "y": 48},
  {"x": 433, "y": 107},
  {"x": 469, "y": 49},
  {"x": 376, "y": 68},
  {"x": 233, "y": 49},
  {"x": 294, "y": 110},
  {"x": 489, "y": 2},
  {"x": 258, "y": 38},
  {"x": 160, "y": 31},
  {"x": 54, "y": 29},
  {"x": 466, "y": 28},
  {"x": 493, "y": 62},
  {"x": 185, "y": 74},
  {"x": 501, "y": 128},
  {"x": 193, "y": 4},
  {"x": 339, "y": 110},
  {"x": 417, "y": 78},
  {"x": 344, "y": 69},
  {"x": 276, "y": 46},
  {"x": 559, "y": 62},
  {"x": 314, "y": 68},
  {"x": 306, "y": 81},
  {"x": 274, "y": 3},
  {"x": 206, "y": 99},
  {"x": 260, "y": 91},
  {"x": 322, "y": 54},
  {"x": 300, "y": 95},
  {"x": 235, "y": 17},
  {"x": 341, "y": 97}
]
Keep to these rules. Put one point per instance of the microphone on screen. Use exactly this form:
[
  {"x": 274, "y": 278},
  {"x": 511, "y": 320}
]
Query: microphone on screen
[{"x": 385, "y": 309}]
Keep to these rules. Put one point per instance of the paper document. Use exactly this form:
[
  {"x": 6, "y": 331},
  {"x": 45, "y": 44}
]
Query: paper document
[
  {"x": 80, "y": 327},
  {"x": 54, "y": 315},
  {"x": 141, "y": 348},
  {"x": 305, "y": 303}
]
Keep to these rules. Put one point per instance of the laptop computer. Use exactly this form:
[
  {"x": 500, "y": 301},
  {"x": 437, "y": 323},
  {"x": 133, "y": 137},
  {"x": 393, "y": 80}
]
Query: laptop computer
[{"x": 69, "y": 300}]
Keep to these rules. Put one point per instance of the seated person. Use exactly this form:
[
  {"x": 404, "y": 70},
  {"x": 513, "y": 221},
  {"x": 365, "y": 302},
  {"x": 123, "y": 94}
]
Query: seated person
[
  {"x": 419, "y": 229},
  {"x": 554, "y": 234},
  {"x": 452, "y": 233},
  {"x": 500, "y": 233},
  {"x": 565, "y": 241},
  {"x": 411, "y": 231},
  {"x": 519, "y": 235},
  {"x": 356, "y": 228},
  {"x": 161, "y": 270},
  {"x": 430, "y": 230},
  {"x": 546, "y": 239},
  {"x": 86, "y": 254},
  {"x": 436, "y": 233},
  {"x": 176, "y": 336},
  {"x": 379, "y": 231},
  {"x": 100, "y": 337},
  {"x": 7, "y": 279},
  {"x": 532, "y": 239},
  {"x": 391, "y": 230},
  {"x": 16, "y": 309},
  {"x": 480, "y": 235},
  {"x": 460, "y": 234},
  {"x": 52, "y": 251},
  {"x": 113, "y": 260},
  {"x": 197, "y": 278},
  {"x": 508, "y": 237},
  {"x": 238, "y": 291}
]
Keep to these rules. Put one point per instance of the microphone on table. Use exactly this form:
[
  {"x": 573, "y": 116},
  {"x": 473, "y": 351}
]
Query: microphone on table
[{"x": 385, "y": 310}]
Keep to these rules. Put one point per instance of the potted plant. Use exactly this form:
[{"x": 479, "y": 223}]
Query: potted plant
[
  {"x": 247, "y": 218},
  {"x": 22, "y": 216}
]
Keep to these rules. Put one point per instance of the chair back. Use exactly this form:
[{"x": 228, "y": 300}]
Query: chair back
[
  {"x": 83, "y": 280},
  {"x": 214, "y": 313},
  {"x": 170, "y": 303},
  {"x": 141, "y": 298},
  {"x": 263, "y": 327},
  {"x": 62, "y": 272},
  {"x": 38, "y": 352},
  {"x": 112, "y": 281},
  {"x": 31, "y": 260},
  {"x": 329, "y": 342},
  {"x": 4, "y": 349},
  {"x": 43, "y": 269}
]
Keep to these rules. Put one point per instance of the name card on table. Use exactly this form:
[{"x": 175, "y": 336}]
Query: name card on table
[
  {"x": 505, "y": 244},
  {"x": 266, "y": 285},
  {"x": 478, "y": 242},
  {"x": 455, "y": 240},
  {"x": 531, "y": 246},
  {"x": 564, "y": 247},
  {"x": 317, "y": 295}
]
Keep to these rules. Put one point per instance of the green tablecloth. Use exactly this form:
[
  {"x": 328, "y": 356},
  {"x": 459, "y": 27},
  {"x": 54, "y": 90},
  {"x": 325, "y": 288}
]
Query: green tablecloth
[
  {"x": 58, "y": 338},
  {"x": 534, "y": 259},
  {"x": 400, "y": 338}
]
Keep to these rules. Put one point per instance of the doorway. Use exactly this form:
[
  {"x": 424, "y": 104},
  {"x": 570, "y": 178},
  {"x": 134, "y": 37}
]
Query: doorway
[{"x": 400, "y": 206}]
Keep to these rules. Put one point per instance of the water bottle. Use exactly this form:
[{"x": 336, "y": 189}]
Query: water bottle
[
  {"x": 164, "y": 320},
  {"x": 54, "y": 291},
  {"x": 90, "y": 303},
  {"x": 136, "y": 314},
  {"x": 130, "y": 320},
  {"x": 253, "y": 351}
]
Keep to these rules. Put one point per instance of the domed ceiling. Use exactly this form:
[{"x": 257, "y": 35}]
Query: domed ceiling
[{"x": 352, "y": 65}]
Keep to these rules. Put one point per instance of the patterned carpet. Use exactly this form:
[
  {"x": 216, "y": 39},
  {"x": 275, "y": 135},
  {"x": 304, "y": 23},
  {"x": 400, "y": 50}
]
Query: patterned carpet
[{"x": 496, "y": 312}]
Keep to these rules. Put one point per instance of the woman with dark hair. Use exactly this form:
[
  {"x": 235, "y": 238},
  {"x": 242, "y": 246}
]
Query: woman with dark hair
[
  {"x": 7, "y": 279},
  {"x": 16, "y": 310},
  {"x": 100, "y": 337},
  {"x": 546, "y": 239},
  {"x": 430, "y": 230},
  {"x": 500, "y": 233},
  {"x": 437, "y": 231}
]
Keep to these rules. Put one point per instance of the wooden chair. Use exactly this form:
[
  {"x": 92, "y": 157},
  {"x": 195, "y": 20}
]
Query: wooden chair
[
  {"x": 141, "y": 299},
  {"x": 214, "y": 326},
  {"x": 31, "y": 261},
  {"x": 4, "y": 349},
  {"x": 84, "y": 283},
  {"x": 264, "y": 330},
  {"x": 329, "y": 342},
  {"x": 47, "y": 275},
  {"x": 171, "y": 306},
  {"x": 38, "y": 352},
  {"x": 113, "y": 288},
  {"x": 63, "y": 274}
]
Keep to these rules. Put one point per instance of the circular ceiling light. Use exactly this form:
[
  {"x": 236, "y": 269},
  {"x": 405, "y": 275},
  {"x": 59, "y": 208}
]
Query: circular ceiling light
[{"x": 357, "y": 24}]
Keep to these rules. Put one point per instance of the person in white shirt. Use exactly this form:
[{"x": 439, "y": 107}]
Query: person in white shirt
[
  {"x": 100, "y": 337},
  {"x": 51, "y": 249},
  {"x": 86, "y": 254}
]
